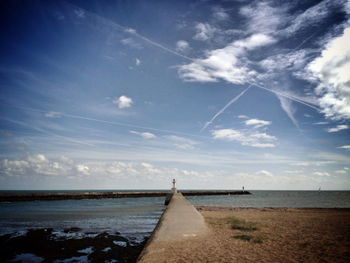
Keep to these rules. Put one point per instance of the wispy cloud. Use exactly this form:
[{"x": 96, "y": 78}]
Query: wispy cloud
[
  {"x": 220, "y": 14},
  {"x": 182, "y": 143},
  {"x": 262, "y": 17},
  {"x": 131, "y": 43},
  {"x": 53, "y": 114},
  {"x": 123, "y": 102},
  {"x": 79, "y": 12},
  {"x": 145, "y": 135},
  {"x": 223, "y": 109},
  {"x": 312, "y": 16},
  {"x": 137, "y": 62},
  {"x": 288, "y": 108},
  {"x": 312, "y": 163},
  {"x": 204, "y": 31},
  {"x": 339, "y": 127}
]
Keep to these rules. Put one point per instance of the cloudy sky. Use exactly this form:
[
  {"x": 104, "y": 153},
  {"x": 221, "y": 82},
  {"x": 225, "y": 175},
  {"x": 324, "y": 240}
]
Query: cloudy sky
[{"x": 217, "y": 94}]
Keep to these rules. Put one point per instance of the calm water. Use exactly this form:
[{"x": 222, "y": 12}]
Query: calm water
[
  {"x": 327, "y": 199},
  {"x": 134, "y": 218}
]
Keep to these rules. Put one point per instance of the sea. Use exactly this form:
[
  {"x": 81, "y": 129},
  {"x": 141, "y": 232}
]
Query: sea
[{"x": 136, "y": 218}]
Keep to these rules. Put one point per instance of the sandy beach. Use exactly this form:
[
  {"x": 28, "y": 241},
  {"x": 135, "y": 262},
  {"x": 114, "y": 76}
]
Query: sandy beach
[{"x": 265, "y": 235}]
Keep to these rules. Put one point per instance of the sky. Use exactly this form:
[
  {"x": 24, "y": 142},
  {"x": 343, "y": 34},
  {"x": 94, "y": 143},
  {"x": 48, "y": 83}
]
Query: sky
[{"x": 216, "y": 94}]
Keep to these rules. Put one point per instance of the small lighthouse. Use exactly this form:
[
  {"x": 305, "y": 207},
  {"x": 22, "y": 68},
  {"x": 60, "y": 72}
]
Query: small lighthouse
[{"x": 173, "y": 189}]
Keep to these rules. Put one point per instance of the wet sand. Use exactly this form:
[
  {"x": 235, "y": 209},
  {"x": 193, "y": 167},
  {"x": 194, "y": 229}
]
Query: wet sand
[{"x": 272, "y": 235}]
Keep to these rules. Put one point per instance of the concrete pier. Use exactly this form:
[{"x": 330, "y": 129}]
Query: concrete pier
[{"x": 179, "y": 221}]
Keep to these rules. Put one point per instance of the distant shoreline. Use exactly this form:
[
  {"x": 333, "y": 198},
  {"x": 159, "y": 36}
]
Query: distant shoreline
[{"x": 13, "y": 197}]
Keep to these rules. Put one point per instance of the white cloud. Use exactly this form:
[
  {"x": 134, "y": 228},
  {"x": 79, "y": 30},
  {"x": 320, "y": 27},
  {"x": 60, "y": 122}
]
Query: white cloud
[
  {"x": 137, "y": 62},
  {"x": 227, "y": 63},
  {"x": 321, "y": 123},
  {"x": 130, "y": 30},
  {"x": 257, "y": 123},
  {"x": 264, "y": 173},
  {"x": 53, "y": 114},
  {"x": 204, "y": 31},
  {"x": 182, "y": 46},
  {"x": 38, "y": 164},
  {"x": 293, "y": 171},
  {"x": 331, "y": 69},
  {"x": 340, "y": 171},
  {"x": 123, "y": 102},
  {"x": 255, "y": 41},
  {"x": 346, "y": 147},
  {"x": 338, "y": 128},
  {"x": 145, "y": 135},
  {"x": 322, "y": 174},
  {"x": 312, "y": 163},
  {"x": 242, "y": 117},
  {"x": 83, "y": 169},
  {"x": 259, "y": 140},
  {"x": 263, "y": 136}
]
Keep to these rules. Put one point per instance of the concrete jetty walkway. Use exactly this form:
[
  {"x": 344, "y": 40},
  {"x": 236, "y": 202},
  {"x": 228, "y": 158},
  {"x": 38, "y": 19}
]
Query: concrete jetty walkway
[{"x": 180, "y": 221}]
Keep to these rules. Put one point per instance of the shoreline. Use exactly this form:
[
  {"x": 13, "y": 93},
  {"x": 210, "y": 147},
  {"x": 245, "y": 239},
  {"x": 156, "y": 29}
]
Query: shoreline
[{"x": 281, "y": 235}]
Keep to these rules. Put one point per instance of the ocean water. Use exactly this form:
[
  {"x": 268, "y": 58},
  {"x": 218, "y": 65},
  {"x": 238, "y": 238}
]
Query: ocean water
[
  {"x": 322, "y": 199},
  {"x": 134, "y": 218}
]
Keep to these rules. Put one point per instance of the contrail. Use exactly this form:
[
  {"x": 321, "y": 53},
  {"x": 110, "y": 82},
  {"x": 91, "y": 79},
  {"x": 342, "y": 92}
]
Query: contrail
[
  {"x": 129, "y": 31},
  {"x": 47, "y": 132},
  {"x": 123, "y": 124},
  {"x": 278, "y": 93},
  {"x": 224, "y": 108}
]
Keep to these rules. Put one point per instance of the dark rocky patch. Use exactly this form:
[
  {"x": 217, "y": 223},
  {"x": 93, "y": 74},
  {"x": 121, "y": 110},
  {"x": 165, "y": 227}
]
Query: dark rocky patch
[{"x": 42, "y": 243}]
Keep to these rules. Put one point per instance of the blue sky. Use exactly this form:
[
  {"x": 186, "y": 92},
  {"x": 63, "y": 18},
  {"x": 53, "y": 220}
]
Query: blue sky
[{"x": 217, "y": 94}]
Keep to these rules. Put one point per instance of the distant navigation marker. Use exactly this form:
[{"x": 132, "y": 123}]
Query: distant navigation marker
[{"x": 174, "y": 188}]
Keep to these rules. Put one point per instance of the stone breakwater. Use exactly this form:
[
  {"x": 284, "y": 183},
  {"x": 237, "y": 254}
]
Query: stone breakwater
[{"x": 12, "y": 197}]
